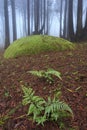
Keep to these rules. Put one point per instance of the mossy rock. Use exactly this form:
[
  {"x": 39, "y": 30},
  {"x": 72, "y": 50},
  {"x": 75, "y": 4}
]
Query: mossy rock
[{"x": 36, "y": 44}]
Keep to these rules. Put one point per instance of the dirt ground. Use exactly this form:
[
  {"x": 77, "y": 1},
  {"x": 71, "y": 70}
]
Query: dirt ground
[{"x": 14, "y": 74}]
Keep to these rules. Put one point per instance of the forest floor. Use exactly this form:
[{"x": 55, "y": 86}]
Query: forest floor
[{"x": 14, "y": 74}]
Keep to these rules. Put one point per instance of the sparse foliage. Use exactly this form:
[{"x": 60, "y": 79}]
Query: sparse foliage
[{"x": 47, "y": 75}]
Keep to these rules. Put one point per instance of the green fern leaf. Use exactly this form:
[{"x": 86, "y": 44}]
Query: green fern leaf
[
  {"x": 37, "y": 73},
  {"x": 41, "y": 120},
  {"x": 40, "y": 110},
  {"x": 27, "y": 90},
  {"x": 46, "y": 74},
  {"x": 36, "y": 113},
  {"x": 54, "y": 72},
  {"x": 56, "y": 108},
  {"x": 37, "y": 99},
  {"x": 31, "y": 109},
  {"x": 28, "y": 94}
]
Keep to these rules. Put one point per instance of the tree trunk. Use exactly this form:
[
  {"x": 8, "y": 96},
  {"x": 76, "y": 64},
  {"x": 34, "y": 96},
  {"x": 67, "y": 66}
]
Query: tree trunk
[
  {"x": 79, "y": 19},
  {"x": 70, "y": 21},
  {"x": 7, "y": 35},
  {"x": 14, "y": 20},
  {"x": 65, "y": 20},
  {"x": 61, "y": 18},
  {"x": 28, "y": 15},
  {"x": 86, "y": 21},
  {"x": 36, "y": 15}
]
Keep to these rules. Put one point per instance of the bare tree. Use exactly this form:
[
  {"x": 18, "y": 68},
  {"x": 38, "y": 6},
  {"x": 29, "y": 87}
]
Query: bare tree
[
  {"x": 65, "y": 19},
  {"x": 79, "y": 19},
  {"x": 7, "y": 37},
  {"x": 28, "y": 15},
  {"x": 61, "y": 4},
  {"x": 86, "y": 21},
  {"x": 70, "y": 21},
  {"x": 36, "y": 15},
  {"x": 39, "y": 29},
  {"x": 13, "y": 19}
]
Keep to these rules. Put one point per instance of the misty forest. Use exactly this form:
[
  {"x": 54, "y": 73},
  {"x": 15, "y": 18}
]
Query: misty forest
[
  {"x": 61, "y": 18},
  {"x": 43, "y": 64}
]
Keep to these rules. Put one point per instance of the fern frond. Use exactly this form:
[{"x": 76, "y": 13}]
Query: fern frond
[
  {"x": 37, "y": 73},
  {"x": 34, "y": 110},
  {"x": 38, "y": 99},
  {"x": 46, "y": 74},
  {"x": 41, "y": 120},
  {"x": 58, "y": 95},
  {"x": 36, "y": 103},
  {"x": 40, "y": 110},
  {"x": 56, "y": 108},
  {"x": 27, "y": 90},
  {"x": 28, "y": 94},
  {"x": 54, "y": 72},
  {"x": 31, "y": 109}
]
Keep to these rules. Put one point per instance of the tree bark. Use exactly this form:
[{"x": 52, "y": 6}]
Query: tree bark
[
  {"x": 79, "y": 19},
  {"x": 70, "y": 21},
  {"x": 61, "y": 3},
  {"x": 28, "y": 15},
  {"x": 65, "y": 20},
  {"x": 6, "y": 15},
  {"x": 14, "y": 20}
]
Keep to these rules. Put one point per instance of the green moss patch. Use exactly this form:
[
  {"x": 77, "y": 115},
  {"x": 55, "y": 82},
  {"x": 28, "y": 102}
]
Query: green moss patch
[{"x": 36, "y": 44}]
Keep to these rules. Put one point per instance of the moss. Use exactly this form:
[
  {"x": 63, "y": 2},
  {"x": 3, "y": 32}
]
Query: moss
[{"x": 36, "y": 44}]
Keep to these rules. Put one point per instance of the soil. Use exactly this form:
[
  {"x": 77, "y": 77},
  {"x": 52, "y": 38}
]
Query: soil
[{"x": 15, "y": 72}]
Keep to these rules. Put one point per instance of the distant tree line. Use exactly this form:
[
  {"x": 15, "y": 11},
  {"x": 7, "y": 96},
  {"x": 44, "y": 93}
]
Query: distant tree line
[{"x": 37, "y": 19}]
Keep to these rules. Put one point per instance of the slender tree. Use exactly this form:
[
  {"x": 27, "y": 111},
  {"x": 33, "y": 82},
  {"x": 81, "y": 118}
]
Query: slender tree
[
  {"x": 28, "y": 15},
  {"x": 32, "y": 16},
  {"x": 84, "y": 30},
  {"x": 61, "y": 4},
  {"x": 36, "y": 15},
  {"x": 14, "y": 20},
  {"x": 65, "y": 19},
  {"x": 25, "y": 18},
  {"x": 39, "y": 29},
  {"x": 7, "y": 35},
  {"x": 70, "y": 21},
  {"x": 79, "y": 19},
  {"x": 44, "y": 16},
  {"x": 86, "y": 21}
]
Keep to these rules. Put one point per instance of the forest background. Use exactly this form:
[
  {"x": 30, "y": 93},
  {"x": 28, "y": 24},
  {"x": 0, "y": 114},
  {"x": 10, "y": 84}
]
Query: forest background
[{"x": 61, "y": 18}]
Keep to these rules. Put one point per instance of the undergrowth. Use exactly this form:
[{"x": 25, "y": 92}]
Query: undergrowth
[
  {"x": 47, "y": 75},
  {"x": 41, "y": 110}
]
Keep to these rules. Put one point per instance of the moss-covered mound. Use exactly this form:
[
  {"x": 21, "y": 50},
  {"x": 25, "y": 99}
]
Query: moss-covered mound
[{"x": 36, "y": 44}]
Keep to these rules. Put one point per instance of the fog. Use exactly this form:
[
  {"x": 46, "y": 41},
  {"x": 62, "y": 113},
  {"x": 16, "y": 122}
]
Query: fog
[{"x": 54, "y": 18}]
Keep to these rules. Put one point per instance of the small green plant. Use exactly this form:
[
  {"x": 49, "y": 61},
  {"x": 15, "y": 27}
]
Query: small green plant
[
  {"x": 47, "y": 75},
  {"x": 41, "y": 110},
  {"x": 7, "y": 94},
  {"x": 3, "y": 119},
  {"x": 36, "y": 105}
]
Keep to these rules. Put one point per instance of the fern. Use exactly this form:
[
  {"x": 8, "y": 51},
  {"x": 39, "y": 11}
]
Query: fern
[
  {"x": 36, "y": 104},
  {"x": 56, "y": 109},
  {"x": 28, "y": 95},
  {"x": 46, "y": 74},
  {"x": 37, "y": 73},
  {"x": 41, "y": 110},
  {"x": 51, "y": 71}
]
